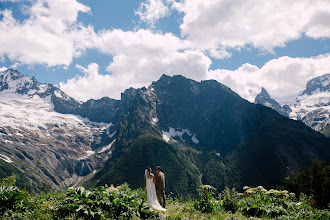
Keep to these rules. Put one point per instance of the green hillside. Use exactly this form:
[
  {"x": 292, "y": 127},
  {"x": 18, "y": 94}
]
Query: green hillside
[
  {"x": 130, "y": 160},
  {"x": 326, "y": 131},
  {"x": 240, "y": 143},
  {"x": 6, "y": 170}
]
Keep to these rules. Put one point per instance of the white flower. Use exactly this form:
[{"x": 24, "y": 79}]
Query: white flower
[{"x": 246, "y": 188}]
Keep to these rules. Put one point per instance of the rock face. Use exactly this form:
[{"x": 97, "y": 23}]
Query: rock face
[
  {"x": 263, "y": 98},
  {"x": 220, "y": 138},
  {"x": 200, "y": 132},
  {"x": 313, "y": 104}
]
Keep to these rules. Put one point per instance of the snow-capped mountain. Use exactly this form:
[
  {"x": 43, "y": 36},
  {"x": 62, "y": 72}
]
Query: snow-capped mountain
[
  {"x": 197, "y": 130},
  {"x": 313, "y": 104},
  {"x": 203, "y": 132},
  {"x": 50, "y": 147},
  {"x": 11, "y": 81},
  {"x": 263, "y": 98}
]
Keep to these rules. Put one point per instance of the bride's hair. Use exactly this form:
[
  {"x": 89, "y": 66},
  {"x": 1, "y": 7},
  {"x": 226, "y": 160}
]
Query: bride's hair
[{"x": 149, "y": 171}]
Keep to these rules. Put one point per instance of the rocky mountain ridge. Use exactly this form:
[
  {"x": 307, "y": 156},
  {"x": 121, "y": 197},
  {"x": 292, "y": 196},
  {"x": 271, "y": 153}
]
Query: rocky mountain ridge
[
  {"x": 200, "y": 132},
  {"x": 312, "y": 105},
  {"x": 263, "y": 98},
  {"x": 46, "y": 145}
]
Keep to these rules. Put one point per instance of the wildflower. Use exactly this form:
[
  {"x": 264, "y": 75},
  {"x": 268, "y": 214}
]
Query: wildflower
[
  {"x": 299, "y": 203},
  {"x": 246, "y": 188},
  {"x": 285, "y": 191},
  {"x": 250, "y": 191},
  {"x": 111, "y": 188},
  {"x": 260, "y": 187},
  {"x": 208, "y": 187}
]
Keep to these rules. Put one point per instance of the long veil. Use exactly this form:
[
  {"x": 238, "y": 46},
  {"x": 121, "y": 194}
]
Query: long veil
[{"x": 151, "y": 193}]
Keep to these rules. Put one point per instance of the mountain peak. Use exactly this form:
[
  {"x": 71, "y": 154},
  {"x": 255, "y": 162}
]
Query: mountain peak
[
  {"x": 263, "y": 98},
  {"x": 264, "y": 93},
  {"x": 13, "y": 81},
  {"x": 317, "y": 85}
]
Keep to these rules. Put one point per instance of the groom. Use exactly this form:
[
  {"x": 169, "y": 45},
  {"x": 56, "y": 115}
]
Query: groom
[{"x": 160, "y": 186}]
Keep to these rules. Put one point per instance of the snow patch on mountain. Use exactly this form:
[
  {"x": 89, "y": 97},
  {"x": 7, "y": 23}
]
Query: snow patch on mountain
[
  {"x": 194, "y": 139},
  {"x": 88, "y": 153},
  {"x": 313, "y": 110},
  {"x": 59, "y": 94},
  {"x": 172, "y": 132},
  {"x": 108, "y": 129},
  {"x": 106, "y": 148},
  {"x": 166, "y": 136},
  {"x": 155, "y": 120},
  {"x": 5, "y": 158},
  {"x": 33, "y": 112}
]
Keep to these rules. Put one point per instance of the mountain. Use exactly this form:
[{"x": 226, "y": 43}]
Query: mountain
[
  {"x": 313, "y": 104},
  {"x": 49, "y": 147},
  {"x": 202, "y": 132},
  {"x": 199, "y": 132},
  {"x": 263, "y": 98}
]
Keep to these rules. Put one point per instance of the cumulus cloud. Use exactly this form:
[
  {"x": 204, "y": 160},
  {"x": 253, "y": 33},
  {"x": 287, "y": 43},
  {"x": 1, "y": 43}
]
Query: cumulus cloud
[
  {"x": 214, "y": 24},
  {"x": 283, "y": 78},
  {"x": 91, "y": 85},
  {"x": 144, "y": 55},
  {"x": 50, "y": 35},
  {"x": 152, "y": 10},
  {"x": 138, "y": 59}
]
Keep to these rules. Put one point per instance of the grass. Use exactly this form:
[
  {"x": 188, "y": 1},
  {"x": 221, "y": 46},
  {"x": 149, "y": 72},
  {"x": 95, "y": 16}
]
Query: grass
[
  {"x": 185, "y": 210},
  {"x": 123, "y": 203}
]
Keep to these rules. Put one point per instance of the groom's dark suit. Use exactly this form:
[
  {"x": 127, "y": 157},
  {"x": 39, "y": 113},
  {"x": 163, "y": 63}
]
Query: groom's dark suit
[{"x": 160, "y": 188}]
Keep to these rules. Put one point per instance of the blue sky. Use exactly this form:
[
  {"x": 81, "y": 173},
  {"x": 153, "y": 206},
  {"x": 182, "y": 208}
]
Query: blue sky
[{"x": 92, "y": 49}]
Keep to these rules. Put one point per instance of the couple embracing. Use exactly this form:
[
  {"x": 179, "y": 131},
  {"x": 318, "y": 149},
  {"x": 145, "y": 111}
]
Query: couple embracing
[{"x": 151, "y": 184}]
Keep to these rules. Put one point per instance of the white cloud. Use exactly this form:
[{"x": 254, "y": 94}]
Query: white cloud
[
  {"x": 214, "y": 24},
  {"x": 152, "y": 10},
  {"x": 51, "y": 34},
  {"x": 319, "y": 26},
  {"x": 219, "y": 53},
  {"x": 138, "y": 59},
  {"x": 91, "y": 84},
  {"x": 146, "y": 56},
  {"x": 283, "y": 77}
]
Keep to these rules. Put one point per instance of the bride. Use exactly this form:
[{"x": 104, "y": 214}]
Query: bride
[{"x": 149, "y": 185}]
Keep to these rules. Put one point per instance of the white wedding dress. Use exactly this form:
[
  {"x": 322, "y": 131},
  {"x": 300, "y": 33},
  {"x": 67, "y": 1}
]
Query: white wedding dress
[{"x": 151, "y": 194}]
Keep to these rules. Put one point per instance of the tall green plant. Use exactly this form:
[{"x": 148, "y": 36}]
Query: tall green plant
[
  {"x": 313, "y": 181},
  {"x": 205, "y": 203},
  {"x": 13, "y": 201},
  {"x": 229, "y": 199},
  {"x": 115, "y": 203}
]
